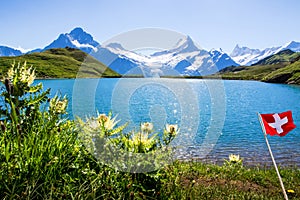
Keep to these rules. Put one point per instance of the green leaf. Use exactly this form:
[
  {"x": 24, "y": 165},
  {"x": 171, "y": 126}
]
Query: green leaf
[
  {"x": 38, "y": 99},
  {"x": 119, "y": 129},
  {"x": 37, "y": 88}
]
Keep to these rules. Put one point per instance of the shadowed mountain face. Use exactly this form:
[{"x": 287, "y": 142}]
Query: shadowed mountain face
[
  {"x": 7, "y": 51},
  {"x": 77, "y": 38},
  {"x": 222, "y": 59}
]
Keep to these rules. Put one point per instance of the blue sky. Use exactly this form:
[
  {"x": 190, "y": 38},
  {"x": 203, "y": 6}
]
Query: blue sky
[{"x": 211, "y": 23}]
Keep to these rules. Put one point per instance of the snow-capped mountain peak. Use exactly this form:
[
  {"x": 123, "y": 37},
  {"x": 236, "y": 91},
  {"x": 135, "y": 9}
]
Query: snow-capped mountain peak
[
  {"x": 186, "y": 45},
  {"x": 294, "y": 46},
  {"x": 239, "y": 51},
  {"x": 79, "y": 35},
  {"x": 77, "y": 38},
  {"x": 221, "y": 59},
  {"x": 247, "y": 56}
]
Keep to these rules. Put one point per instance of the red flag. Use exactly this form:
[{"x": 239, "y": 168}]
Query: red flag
[{"x": 278, "y": 123}]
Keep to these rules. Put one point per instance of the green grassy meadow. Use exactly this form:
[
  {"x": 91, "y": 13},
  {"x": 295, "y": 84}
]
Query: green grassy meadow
[{"x": 60, "y": 63}]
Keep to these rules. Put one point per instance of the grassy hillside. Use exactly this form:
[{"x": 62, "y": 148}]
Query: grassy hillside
[
  {"x": 289, "y": 74},
  {"x": 284, "y": 57},
  {"x": 60, "y": 63},
  {"x": 257, "y": 72},
  {"x": 283, "y": 67}
]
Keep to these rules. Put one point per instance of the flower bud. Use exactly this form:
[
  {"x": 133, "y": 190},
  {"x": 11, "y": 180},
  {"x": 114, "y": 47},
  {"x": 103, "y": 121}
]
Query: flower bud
[
  {"x": 3, "y": 128},
  {"x": 9, "y": 86}
]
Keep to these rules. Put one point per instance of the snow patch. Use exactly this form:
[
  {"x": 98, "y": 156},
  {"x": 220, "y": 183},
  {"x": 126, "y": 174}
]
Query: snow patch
[
  {"x": 23, "y": 50},
  {"x": 78, "y": 45}
]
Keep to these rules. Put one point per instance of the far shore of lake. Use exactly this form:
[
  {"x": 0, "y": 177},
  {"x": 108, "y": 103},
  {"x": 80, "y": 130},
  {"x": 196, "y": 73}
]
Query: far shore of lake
[{"x": 208, "y": 77}]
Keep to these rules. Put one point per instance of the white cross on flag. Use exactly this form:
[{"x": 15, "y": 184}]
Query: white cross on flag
[{"x": 278, "y": 123}]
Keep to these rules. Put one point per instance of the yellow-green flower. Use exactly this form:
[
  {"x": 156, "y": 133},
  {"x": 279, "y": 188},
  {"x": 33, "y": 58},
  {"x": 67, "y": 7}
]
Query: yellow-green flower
[
  {"x": 11, "y": 73},
  {"x": 234, "y": 158},
  {"x": 58, "y": 106},
  {"x": 27, "y": 75},
  {"x": 142, "y": 143},
  {"x": 290, "y": 191},
  {"x": 31, "y": 78}
]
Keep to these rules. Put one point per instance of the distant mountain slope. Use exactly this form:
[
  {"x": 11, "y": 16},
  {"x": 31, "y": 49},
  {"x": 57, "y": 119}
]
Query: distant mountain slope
[
  {"x": 247, "y": 56},
  {"x": 82, "y": 40},
  {"x": 185, "y": 58},
  {"x": 7, "y": 51},
  {"x": 294, "y": 46},
  {"x": 60, "y": 63},
  {"x": 285, "y": 56},
  {"x": 77, "y": 38},
  {"x": 283, "y": 67},
  {"x": 222, "y": 59}
]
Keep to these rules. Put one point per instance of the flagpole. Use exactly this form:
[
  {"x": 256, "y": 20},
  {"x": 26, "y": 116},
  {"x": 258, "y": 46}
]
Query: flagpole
[{"x": 271, "y": 154}]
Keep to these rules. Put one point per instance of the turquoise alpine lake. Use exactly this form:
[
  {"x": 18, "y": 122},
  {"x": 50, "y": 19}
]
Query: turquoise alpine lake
[{"x": 216, "y": 117}]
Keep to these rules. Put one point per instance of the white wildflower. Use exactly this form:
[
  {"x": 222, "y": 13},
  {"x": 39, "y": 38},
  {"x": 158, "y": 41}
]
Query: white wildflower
[
  {"x": 106, "y": 121},
  {"x": 147, "y": 127},
  {"x": 234, "y": 158},
  {"x": 172, "y": 129}
]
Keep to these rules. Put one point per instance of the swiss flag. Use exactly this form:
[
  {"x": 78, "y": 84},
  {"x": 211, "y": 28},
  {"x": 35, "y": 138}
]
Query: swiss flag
[{"x": 278, "y": 123}]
